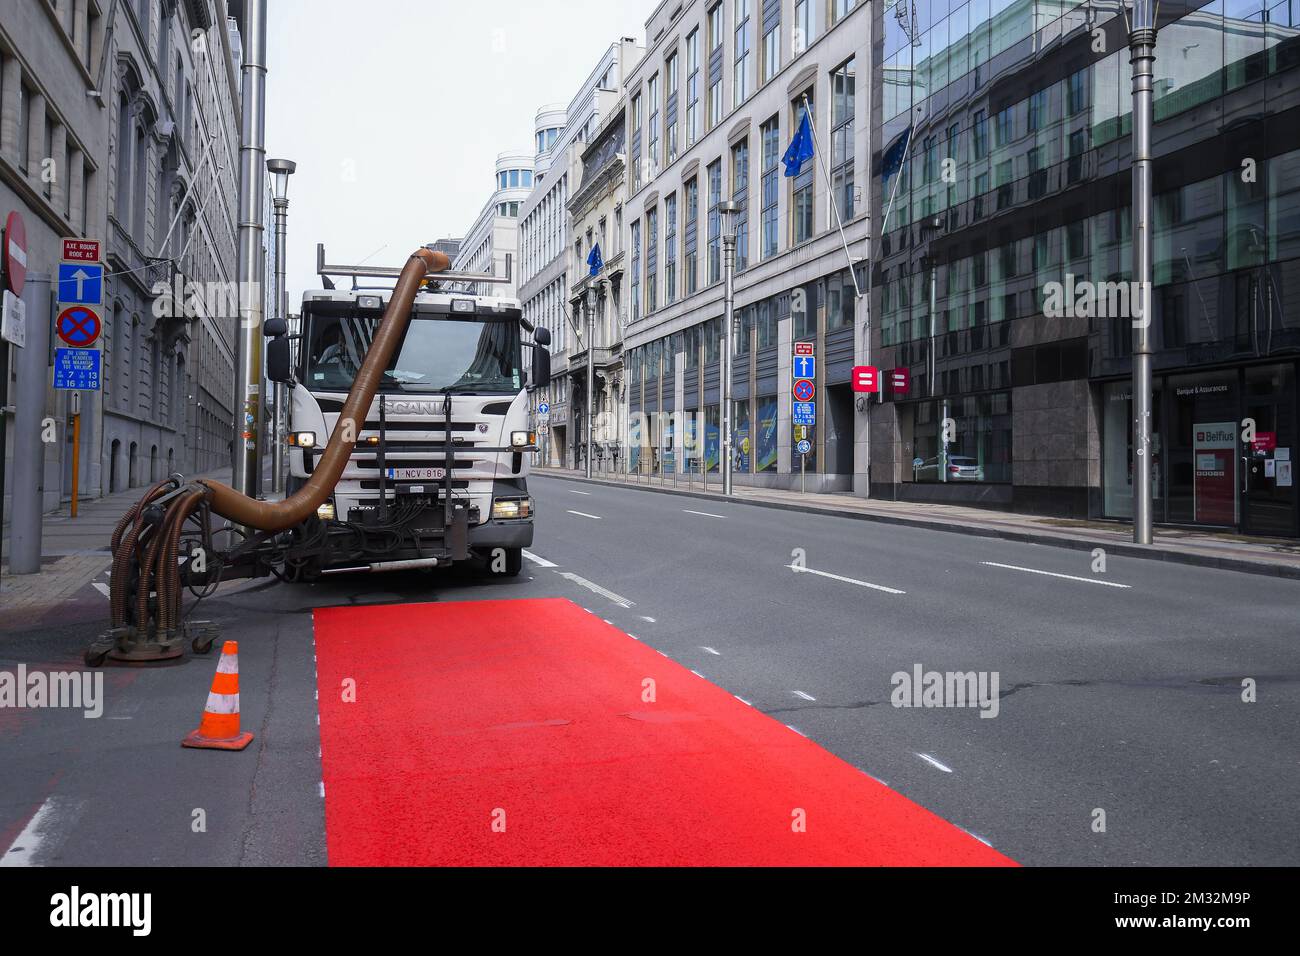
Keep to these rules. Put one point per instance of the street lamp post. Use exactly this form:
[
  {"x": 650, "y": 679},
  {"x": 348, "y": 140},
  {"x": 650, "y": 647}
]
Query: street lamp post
[
  {"x": 592, "y": 298},
  {"x": 727, "y": 210},
  {"x": 1142, "y": 53},
  {"x": 280, "y": 170}
]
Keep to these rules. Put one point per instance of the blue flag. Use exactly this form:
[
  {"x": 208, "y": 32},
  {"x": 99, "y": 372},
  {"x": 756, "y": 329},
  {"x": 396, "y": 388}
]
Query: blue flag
[
  {"x": 595, "y": 261},
  {"x": 801, "y": 148},
  {"x": 892, "y": 161}
]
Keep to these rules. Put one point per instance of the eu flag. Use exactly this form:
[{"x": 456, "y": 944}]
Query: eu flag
[
  {"x": 801, "y": 148},
  {"x": 594, "y": 260},
  {"x": 892, "y": 161}
]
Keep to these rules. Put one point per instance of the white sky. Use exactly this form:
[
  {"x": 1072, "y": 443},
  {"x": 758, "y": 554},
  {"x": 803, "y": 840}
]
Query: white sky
[{"x": 395, "y": 111}]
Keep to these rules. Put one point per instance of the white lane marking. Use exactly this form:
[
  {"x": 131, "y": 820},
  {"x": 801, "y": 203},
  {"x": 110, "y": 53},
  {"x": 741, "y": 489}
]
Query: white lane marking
[
  {"x": 742, "y": 700},
  {"x": 593, "y": 586},
  {"x": 796, "y": 730},
  {"x": 710, "y": 650},
  {"x": 582, "y": 514},
  {"x": 644, "y": 618},
  {"x": 696, "y": 673},
  {"x": 704, "y": 513},
  {"x": 838, "y": 577},
  {"x": 799, "y": 693},
  {"x": 50, "y": 823},
  {"x": 102, "y": 588},
  {"x": 572, "y": 492},
  {"x": 934, "y": 763},
  {"x": 634, "y": 637},
  {"x": 322, "y": 789},
  {"x": 540, "y": 562},
  {"x": 1053, "y": 574}
]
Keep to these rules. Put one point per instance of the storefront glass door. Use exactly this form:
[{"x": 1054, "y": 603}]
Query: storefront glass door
[{"x": 1267, "y": 484}]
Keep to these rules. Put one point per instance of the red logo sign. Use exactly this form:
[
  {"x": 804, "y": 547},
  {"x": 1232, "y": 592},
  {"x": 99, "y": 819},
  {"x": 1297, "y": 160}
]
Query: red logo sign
[
  {"x": 78, "y": 327},
  {"x": 900, "y": 380},
  {"x": 803, "y": 348},
  {"x": 15, "y": 252},
  {"x": 803, "y": 390},
  {"x": 81, "y": 250},
  {"x": 866, "y": 378},
  {"x": 1264, "y": 441}
]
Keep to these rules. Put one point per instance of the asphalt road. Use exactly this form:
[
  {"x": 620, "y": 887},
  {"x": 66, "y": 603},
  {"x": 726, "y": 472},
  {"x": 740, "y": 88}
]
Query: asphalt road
[{"x": 1126, "y": 700}]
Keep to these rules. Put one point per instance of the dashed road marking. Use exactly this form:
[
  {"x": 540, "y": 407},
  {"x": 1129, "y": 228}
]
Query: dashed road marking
[
  {"x": 703, "y": 513},
  {"x": 540, "y": 562},
  {"x": 1053, "y": 574},
  {"x": 582, "y": 514},
  {"x": 935, "y": 763},
  {"x": 593, "y": 586},
  {"x": 801, "y": 694},
  {"x": 839, "y": 577}
]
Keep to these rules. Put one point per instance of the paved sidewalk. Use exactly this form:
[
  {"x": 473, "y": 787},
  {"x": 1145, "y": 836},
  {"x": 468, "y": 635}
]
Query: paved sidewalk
[
  {"x": 1279, "y": 557},
  {"x": 74, "y": 551}
]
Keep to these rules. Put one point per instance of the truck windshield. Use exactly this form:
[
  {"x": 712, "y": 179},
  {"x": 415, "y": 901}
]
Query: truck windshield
[{"x": 463, "y": 354}]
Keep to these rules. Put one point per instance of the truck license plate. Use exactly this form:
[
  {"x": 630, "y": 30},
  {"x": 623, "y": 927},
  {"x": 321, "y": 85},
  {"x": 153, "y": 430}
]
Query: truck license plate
[{"x": 417, "y": 474}]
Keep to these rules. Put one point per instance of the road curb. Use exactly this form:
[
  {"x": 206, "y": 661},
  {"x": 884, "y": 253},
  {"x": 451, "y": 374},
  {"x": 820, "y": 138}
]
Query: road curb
[{"x": 1243, "y": 565}]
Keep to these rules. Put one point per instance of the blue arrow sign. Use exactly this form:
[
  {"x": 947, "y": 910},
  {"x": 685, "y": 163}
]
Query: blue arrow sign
[
  {"x": 81, "y": 283},
  {"x": 77, "y": 369},
  {"x": 544, "y": 408},
  {"x": 805, "y": 366}
]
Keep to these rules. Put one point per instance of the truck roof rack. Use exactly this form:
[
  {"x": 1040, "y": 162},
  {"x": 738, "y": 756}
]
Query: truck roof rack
[{"x": 392, "y": 272}]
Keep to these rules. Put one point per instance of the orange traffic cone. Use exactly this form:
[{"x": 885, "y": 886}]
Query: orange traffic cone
[{"x": 219, "y": 728}]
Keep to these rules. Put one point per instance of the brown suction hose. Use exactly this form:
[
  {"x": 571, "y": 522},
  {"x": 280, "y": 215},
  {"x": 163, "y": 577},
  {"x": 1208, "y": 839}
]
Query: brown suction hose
[{"x": 279, "y": 515}]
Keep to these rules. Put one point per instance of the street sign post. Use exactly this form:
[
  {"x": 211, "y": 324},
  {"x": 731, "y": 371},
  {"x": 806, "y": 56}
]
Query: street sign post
[
  {"x": 78, "y": 327},
  {"x": 804, "y": 348},
  {"x": 803, "y": 390},
  {"x": 77, "y": 369},
  {"x": 544, "y": 409},
  {"x": 15, "y": 253},
  {"x": 81, "y": 283},
  {"x": 13, "y": 325},
  {"x": 804, "y": 446},
  {"x": 805, "y": 366},
  {"x": 804, "y": 413},
  {"x": 80, "y": 250}
]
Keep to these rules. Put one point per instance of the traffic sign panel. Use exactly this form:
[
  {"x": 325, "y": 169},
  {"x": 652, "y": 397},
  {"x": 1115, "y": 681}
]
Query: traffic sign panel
[
  {"x": 78, "y": 327},
  {"x": 76, "y": 368},
  {"x": 805, "y": 366},
  {"x": 805, "y": 413},
  {"x": 544, "y": 408},
  {"x": 13, "y": 323},
  {"x": 803, "y": 390},
  {"x": 81, "y": 283},
  {"x": 803, "y": 447},
  {"x": 803, "y": 348},
  {"x": 80, "y": 250}
]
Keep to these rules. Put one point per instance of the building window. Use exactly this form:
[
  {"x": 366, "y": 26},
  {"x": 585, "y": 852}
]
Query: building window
[
  {"x": 805, "y": 29},
  {"x": 772, "y": 51},
  {"x": 744, "y": 31},
  {"x": 980, "y": 135},
  {"x": 740, "y": 193},
  {"x": 771, "y": 132},
  {"x": 1004, "y": 127},
  {"x": 670, "y": 109},
  {"x": 715, "y": 220},
  {"x": 652, "y": 150},
  {"x": 843, "y": 106},
  {"x": 636, "y": 271},
  {"x": 803, "y": 188},
  {"x": 651, "y": 260},
  {"x": 1077, "y": 91},
  {"x": 841, "y": 9},
  {"x": 670, "y": 249},
  {"x": 715, "y": 83},
  {"x": 637, "y": 107},
  {"x": 691, "y": 265},
  {"x": 692, "y": 86}
]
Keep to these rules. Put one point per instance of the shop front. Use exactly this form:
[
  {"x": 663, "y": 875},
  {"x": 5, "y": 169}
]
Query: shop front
[{"x": 1223, "y": 443}]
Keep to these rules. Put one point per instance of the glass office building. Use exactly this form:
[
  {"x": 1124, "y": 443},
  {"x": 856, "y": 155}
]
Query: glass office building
[{"x": 1001, "y": 181}]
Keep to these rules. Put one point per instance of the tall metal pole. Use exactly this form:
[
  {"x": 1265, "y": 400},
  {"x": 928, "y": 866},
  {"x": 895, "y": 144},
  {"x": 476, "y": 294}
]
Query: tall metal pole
[
  {"x": 27, "y": 487},
  {"x": 282, "y": 312},
  {"x": 1142, "y": 50},
  {"x": 252, "y": 257},
  {"x": 726, "y": 210},
  {"x": 591, "y": 364}
]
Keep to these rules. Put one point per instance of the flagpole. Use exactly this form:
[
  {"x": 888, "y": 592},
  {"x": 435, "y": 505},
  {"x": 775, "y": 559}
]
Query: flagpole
[{"x": 807, "y": 108}]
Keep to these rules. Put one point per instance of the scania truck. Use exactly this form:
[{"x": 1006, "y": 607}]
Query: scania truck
[{"x": 439, "y": 471}]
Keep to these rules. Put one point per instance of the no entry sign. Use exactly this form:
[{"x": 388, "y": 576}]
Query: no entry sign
[
  {"x": 78, "y": 327},
  {"x": 15, "y": 253}
]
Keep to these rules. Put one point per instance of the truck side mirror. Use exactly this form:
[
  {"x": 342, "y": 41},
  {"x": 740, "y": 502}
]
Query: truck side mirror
[
  {"x": 279, "y": 360},
  {"x": 274, "y": 326},
  {"x": 542, "y": 336},
  {"x": 541, "y": 367}
]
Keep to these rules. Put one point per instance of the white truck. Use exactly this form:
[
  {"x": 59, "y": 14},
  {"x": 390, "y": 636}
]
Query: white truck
[{"x": 439, "y": 473}]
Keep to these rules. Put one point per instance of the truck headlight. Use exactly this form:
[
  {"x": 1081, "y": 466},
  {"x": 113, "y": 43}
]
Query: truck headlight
[
  {"x": 512, "y": 508},
  {"x": 523, "y": 441},
  {"x": 302, "y": 439}
]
